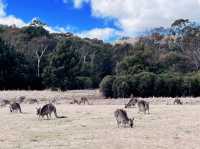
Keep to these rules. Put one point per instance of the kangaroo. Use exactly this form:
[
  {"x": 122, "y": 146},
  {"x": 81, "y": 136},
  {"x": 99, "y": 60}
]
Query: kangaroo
[
  {"x": 47, "y": 110},
  {"x": 122, "y": 118},
  {"x": 143, "y": 106},
  {"x": 84, "y": 100},
  {"x": 178, "y": 101},
  {"x": 32, "y": 101},
  {"x": 130, "y": 103},
  {"x": 5, "y": 102},
  {"x": 20, "y": 99},
  {"x": 75, "y": 101},
  {"x": 15, "y": 107}
]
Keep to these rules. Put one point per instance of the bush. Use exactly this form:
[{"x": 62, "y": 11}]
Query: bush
[
  {"x": 145, "y": 84},
  {"x": 121, "y": 87},
  {"x": 169, "y": 85},
  {"x": 84, "y": 83},
  {"x": 195, "y": 85},
  {"x": 106, "y": 86}
]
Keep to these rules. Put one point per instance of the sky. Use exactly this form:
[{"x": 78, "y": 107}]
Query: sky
[{"x": 107, "y": 20}]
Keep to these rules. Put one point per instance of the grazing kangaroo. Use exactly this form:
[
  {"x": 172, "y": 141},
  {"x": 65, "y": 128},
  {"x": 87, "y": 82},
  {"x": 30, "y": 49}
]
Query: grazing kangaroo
[
  {"x": 75, "y": 101},
  {"x": 84, "y": 100},
  {"x": 47, "y": 110},
  {"x": 178, "y": 101},
  {"x": 130, "y": 103},
  {"x": 15, "y": 107},
  {"x": 5, "y": 102},
  {"x": 32, "y": 101},
  {"x": 122, "y": 118}
]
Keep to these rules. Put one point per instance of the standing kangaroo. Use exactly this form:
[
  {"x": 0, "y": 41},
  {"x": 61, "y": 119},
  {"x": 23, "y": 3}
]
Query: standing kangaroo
[
  {"x": 47, "y": 110},
  {"x": 20, "y": 99},
  {"x": 122, "y": 118},
  {"x": 143, "y": 106},
  {"x": 84, "y": 100},
  {"x": 15, "y": 107},
  {"x": 177, "y": 101}
]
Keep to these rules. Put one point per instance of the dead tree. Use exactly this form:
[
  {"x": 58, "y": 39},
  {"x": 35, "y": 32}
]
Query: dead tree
[{"x": 39, "y": 57}]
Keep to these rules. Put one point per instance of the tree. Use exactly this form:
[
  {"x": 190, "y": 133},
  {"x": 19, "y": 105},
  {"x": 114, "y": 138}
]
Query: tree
[
  {"x": 37, "y": 22},
  {"x": 180, "y": 22},
  {"x": 15, "y": 70},
  {"x": 41, "y": 45},
  {"x": 63, "y": 68},
  {"x": 130, "y": 65},
  {"x": 146, "y": 83}
]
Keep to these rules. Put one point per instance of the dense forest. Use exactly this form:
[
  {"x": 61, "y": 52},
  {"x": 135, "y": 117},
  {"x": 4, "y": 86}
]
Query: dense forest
[{"x": 163, "y": 62}]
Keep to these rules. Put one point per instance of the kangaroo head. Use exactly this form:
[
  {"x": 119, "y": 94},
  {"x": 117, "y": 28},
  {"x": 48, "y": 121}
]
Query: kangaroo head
[{"x": 135, "y": 100}]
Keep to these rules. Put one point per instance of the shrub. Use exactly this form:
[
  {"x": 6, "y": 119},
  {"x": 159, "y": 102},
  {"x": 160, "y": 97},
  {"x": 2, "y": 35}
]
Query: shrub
[
  {"x": 83, "y": 83},
  {"x": 106, "y": 86},
  {"x": 121, "y": 87},
  {"x": 145, "y": 84}
]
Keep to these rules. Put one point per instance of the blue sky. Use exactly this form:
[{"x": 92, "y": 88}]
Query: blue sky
[
  {"x": 55, "y": 13},
  {"x": 102, "y": 19},
  {"x": 61, "y": 16}
]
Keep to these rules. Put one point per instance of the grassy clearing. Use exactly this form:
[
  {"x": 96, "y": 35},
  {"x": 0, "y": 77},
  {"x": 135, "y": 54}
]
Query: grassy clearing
[{"x": 94, "y": 126}]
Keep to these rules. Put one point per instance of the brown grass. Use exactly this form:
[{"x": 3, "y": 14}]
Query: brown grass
[{"x": 94, "y": 127}]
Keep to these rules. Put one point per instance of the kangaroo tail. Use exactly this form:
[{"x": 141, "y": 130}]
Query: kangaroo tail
[
  {"x": 148, "y": 108},
  {"x": 20, "y": 110},
  {"x": 10, "y": 108},
  {"x": 56, "y": 115}
]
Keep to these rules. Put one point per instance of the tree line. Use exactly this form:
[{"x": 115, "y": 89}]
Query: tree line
[
  {"x": 33, "y": 58},
  {"x": 165, "y": 62}
]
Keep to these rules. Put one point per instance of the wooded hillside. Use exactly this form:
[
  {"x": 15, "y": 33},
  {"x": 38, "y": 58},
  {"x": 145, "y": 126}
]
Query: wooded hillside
[{"x": 164, "y": 62}]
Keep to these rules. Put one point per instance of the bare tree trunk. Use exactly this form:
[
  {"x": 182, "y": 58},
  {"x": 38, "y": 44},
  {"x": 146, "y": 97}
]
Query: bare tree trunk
[
  {"x": 39, "y": 57},
  {"x": 38, "y": 68},
  {"x": 84, "y": 59}
]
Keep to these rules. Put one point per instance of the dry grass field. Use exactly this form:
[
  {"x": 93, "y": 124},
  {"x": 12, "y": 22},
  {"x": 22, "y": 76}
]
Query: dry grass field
[{"x": 94, "y": 127}]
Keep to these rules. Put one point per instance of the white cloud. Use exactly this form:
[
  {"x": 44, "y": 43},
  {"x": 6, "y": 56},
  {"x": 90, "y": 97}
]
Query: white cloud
[
  {"x": 136, "y": 15},
  {"x": 9, "y": 19},
  {"x": 100, "y": 33},
  {"x": 77, "y": 3},
  {"x": 2, "y": 8},
  {"x": 59, "y": 29}
]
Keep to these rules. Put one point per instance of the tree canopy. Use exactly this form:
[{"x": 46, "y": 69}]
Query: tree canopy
[{"x": 164, "y": 62}]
